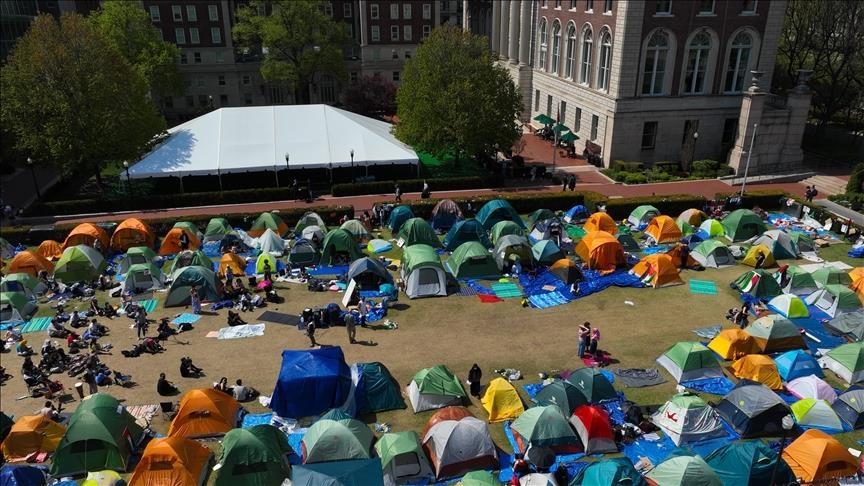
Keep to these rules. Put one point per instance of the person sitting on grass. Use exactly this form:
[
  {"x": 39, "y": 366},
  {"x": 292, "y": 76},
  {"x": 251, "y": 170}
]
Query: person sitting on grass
[
  {"x": 97, "y": 329},
  {"x": 164, "y": 387},
  {"x": 188, "y": 369},
  {"x": 222, "y": 385},
  {"x": 23, "y": 349},
  {"x": 243, "y": 393},
  {"x": 165, "y": 330},
  {"x": 234, "y": 319}
]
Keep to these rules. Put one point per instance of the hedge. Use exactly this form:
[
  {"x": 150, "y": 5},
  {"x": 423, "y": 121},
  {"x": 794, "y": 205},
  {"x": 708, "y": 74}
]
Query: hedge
[
  {"x": 32, "y": 236},
  {"x": 672, "y": 205},
  {"x": 179, "y": 200},
  {"x": 416, "y": 185},
  {"x": 766, "y": 199}
]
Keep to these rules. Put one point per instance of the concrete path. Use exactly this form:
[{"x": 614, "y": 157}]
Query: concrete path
[{"x": 841, "y": 211}]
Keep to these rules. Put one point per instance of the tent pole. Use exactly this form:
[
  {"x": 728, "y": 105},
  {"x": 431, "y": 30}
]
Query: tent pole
[{"x": 276, "y": 171}]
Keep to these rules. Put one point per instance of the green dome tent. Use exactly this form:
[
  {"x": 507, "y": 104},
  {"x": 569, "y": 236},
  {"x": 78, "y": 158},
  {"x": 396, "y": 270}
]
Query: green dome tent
[
  {"x": 15, "y": 306},
  {"x": 618, "y": 470},
  {"x": 433, "y": 388},
  {"x": 687, "y": 360},
  {"x": 19, "y": 282},
  {"x": 510, "y": 248},
  {"x": 758, "y": 283},
  {"x": 188, "y": 258},
  {"x": 642, "y": 215},
  {"x": 544, "y": 426},
  {"x": 712, "y": 254},
  {"x": 498, "y": 210},
  {"x": 711, "y": 228},
  {"x": 742, "y": 224},
  {"x": 255, "y": 456},
  {"x": 189, "y": 226},
  {"x": 79, "y": 263},
  {"x": 402, "y": 458},
  {"x": 267, "y": 220},
  {"x": 831, "y": 276},
  {"x": 135, "y": 255},
  {"x": 846, "y": 361},
  {"x": 800, "y": 281},
  {"x": 417, "y": 230},
  {"x": 98, "y": 437},
  {"x": 546, "y": 252},
  {"x": 472, "y": 260},
  {"x": 336, "y": 440},
  {"x": 217, "y": 228},
  {"x": 142, "y": 277},
  {"x": 380, "y": 390},
  {"x": 834, "y": 299},
  {"x": 359, "y": 472},
  {"x": 684, "y": 470},
  {"x": 592, "y": 384},
  {"x": 356, "y": 228},
  {"x": 803, "y": 242},
  {"x": 398, "y": 216},
  {"x": 562, "y": 394},
  {"x": 540, "y": 215},
  {"x": 466, "y": 230},
  {"x": 339, "y": 245},
  {"x": 205, "y": 280},
  {"x": 780, "y": 243},
  {"x": 503, "y": 228},
  {"x": 311, "y": 218},
  {"x": 422, "y": 272}
]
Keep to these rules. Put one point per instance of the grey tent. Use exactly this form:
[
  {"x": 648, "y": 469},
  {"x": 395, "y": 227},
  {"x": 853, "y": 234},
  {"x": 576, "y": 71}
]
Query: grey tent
[
  {"x": 369, "y": 273},
  {"x": 510, "y": 248},
  {"x": 850, "y": 325},
  {"x": 712, "y": 254},
  {"x": 309, "y": 219},
  {"x": 850, "y": 406},
  {"x": 629, "y": 243},
  {"x": 445, "y": 214},
  {"x": 303, "y": 253},
  {"x": 313, "y": 234},
  {"x": 753, "y": 410},
  {"x": 422, "y": 272}
]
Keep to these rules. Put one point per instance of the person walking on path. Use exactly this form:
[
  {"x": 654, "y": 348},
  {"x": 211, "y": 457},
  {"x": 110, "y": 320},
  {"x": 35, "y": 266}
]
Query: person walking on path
[
  {"x": 195, "y": 300},
  {"x": 361, "y": 307},
  {"x": 398, "y": 193},
  {"x": 310, "y": 333},
  {"x": 584, "y": 338},
  {"x": 351, "y": 327},
  {"x": 475, "y": 375}
]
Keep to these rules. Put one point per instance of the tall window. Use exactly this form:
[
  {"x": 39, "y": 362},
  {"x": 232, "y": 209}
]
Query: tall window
[
  {"x": 177, "y": 12},
  {"x": 394, "y": 32},
  {"x": 394, "y": 11},
  {"x": 589, "y": 5},
  {"x": 595, "y": 124},
  {"x": 373, "y": 11},
  {"x": 406, "y": 11},
  {"x": 649, "y": 135},
  {"x": 193, "y": 36},
  {"x": 655, "y": 64},
  {"x": 541, "y": 61},
  {"x": 562, "y": 111},
  {"x": 605, "y": 60},
  {"x": 216, "y": 35},
  {"x": 213, "y": 13},
  {"x": 730, "y": 130},
  {"x": 548, "y": 105},
  {"x": 427, "y": 11},
  {"x": 376, "y": 33},
  {"x": 536, "y": 100},
  {"x": 346, "y": 10},
  {"x": 556, "y": 46},
  {"x": 406, "y": 32},
  {"x": 739, "y": 61},
  {"x": 664, "y": 7},
  {"x": 427, "y": 29},
  {"x": 697, "y": 62},
  {"x": 180, "y": 36},
  {"x": 191, "y": 13},
  {"x": 154, "y": 13},
  {"x": 328, "y": 9},
  {"x": 587, "y": 50},
  {"x": 607, "y": 6},
  {"x": 571, "y": 50}
]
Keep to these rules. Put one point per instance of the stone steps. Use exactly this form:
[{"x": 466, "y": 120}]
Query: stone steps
[{"x": 826, "y": 185}]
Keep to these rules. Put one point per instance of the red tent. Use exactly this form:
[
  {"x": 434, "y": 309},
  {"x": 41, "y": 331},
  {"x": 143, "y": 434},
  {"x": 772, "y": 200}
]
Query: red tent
[{"x": 592, "y": 424}]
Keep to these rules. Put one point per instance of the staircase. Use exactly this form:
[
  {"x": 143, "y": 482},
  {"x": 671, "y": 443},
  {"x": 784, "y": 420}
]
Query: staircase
[{"x": 826, "y": 185}]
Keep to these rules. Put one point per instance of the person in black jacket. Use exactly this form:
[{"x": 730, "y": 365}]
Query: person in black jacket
[
  {"x": 474, "y": 377},
  {"x": 164, "y": 387}
]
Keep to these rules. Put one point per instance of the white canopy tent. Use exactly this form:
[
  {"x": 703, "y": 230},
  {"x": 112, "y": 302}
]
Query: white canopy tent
[{"x": 258, "y": 138}]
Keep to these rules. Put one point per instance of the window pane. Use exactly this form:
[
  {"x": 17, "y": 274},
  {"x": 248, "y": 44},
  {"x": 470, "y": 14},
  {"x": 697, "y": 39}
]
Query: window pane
[
  {"x": 180, "y": 36},
  {"x": 191, "y": 13},
  {"x": 154, "y": 14},
  {"x": 213, "y": 12},
  {"x": 649, "y": 135},
  {"x": 571, "y": 51},
  {"x": 216, "y": 34},
  {"x": 556, "y": 47},
  {"x": 587, "y": 52}
]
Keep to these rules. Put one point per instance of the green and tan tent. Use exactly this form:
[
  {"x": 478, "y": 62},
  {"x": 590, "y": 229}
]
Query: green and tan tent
[
  {"x": 311, "y": 218},
  {"x": 268, "y": 220},
  {"x": 712, "y": 254},
  {"x": 402, "y": 458},
  {"x": 417, "y": 230},
  {"x": 642, "y": 215},
  {"x": 831, "y": 276},
  {"x": 422, "y": 273},
  {"x": 472, "y": 260},
  {"x": 135, "y": 255},
  {"x": 99, "y": 436},
  {"x": 687, "y": 360},
  {"x": 217, "y": 228},
  {"x": 202, "y": 278},
  {"x": 434, "y": 387},
  {"x": 504, "y": 228},
  {"x": 847, "y": 361},
  {"x": 743, "y": 224},
  {"x": 336, "y": 437},
  {"x": 256, "y": 456},
  {"x": 758, "y": 283},
  {"x": 79, "y": 263},
  {"x": 339, "y": 246},
  {"x": 356, "y": 228},
  {"x": 684, "y": 470},
  {"x": 188, "y": 258},
  {"x": 142, "y": 277},
  {"x": 798, "y": 281},
  {"x": 774, "y": 334},
  {"x": 834, "y": 300},
  {"x": 544, "y": 426}
]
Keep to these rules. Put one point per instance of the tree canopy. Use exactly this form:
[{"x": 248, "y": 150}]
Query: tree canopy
[
  {"x": 454, "y": 98},
  {"x": 299, "y": 41},
  {"x": 71, "y": 99},
  {"x": 127, "y": 27},
  {"x": 371, "y": 96}
]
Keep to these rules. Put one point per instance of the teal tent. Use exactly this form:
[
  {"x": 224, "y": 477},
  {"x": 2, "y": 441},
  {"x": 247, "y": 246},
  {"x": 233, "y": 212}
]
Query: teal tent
[
  {"x": 377, "y": 391},
  {"x": 339, "y": 246},
  {"x": 466, "y": 230},
  {"x": 546, "y": 252},
  {"x": 256, "y": 456},
  {"x": 749, "y": 463},
  {"x": 616, "y": 471},
  {"x": 498, "y": 210},
  {"x": 417, "y": 230},
  {"x": 742, "y": 224},
  {"x": 540, "y": 215},
  {"x": 361, "y": 472},
  {"x": 202, "y": 278},
  {"x": 398, "y": 216},
  {"x": 472, "y": 260}
]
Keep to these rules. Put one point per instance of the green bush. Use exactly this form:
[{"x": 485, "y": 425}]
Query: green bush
[
  {"x": 416, "y": 185},
  {"x": 769, "y": 199},
  {"x": 856, "y": 180},
  {"x": 707, "y": 168},
  {"x": 634, "y": 178},
  {"x": 673, "y": 205},
  {"x": 667, "y": 167},
  {"x": 622, "y": 166}
]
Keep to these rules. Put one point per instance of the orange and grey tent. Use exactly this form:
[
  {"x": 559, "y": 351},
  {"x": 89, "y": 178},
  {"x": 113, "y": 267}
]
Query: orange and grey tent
[
  {"x": 50, "y": 249},
  {"x": 86, "y": 234},
  {"x": 601, "y": 251},
  {"x": 174, "y": 461},
  {"x": 758, "y": 367},
  {"x": 858, "y": 287},
  {"x": 567, "y": 271},
  {"x": 446, "y": 413},
  {"x": 204, "y": 412},
  {"x": 663, "y": 229},
  {"x": 31, "y": 435},
  {"x": 816, "y": 456},
  {"x": 171, "y": 243},
  {"x": 657, "y": 270},
  {"x": 600, "y": 222},
  {"x": 132, "y": 232},
  {"x": 235, "y": 261},
  {"x": 733, "y": 344},
  {"x": 29, "y": 262}
]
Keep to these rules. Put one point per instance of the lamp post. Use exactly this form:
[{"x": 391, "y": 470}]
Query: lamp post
[
  {"x": 288, "y": 167},
  {"x": 330, "y": 167},
  {"x": 33, "y": 175},
  {"x": 128, "y": 180},
  {"x": 787, "y": 424},
  {"x": 352, "y": 166},
  {"x": 692, "y": 151},
  {"x": 749, "y": 154}
]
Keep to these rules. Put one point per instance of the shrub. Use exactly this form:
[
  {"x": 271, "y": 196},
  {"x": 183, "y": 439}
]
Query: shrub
[
  {"x": 856, "y": 180},
  {"x": 708, "y": 168},
  {"x": 634, "y": 178},
  {"x": 416, "y": 185},
  {"x": 622, "y": 166},
  {"x": 667, "y": 167}
]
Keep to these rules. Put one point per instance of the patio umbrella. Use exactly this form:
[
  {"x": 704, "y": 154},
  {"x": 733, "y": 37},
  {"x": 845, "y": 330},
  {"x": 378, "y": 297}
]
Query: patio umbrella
[
  {"x": 541, "y": 457},
  {"x": 560, "y": 128},
  {"x": 544, "y": 119},
  {"x": 569, "y": 137}
]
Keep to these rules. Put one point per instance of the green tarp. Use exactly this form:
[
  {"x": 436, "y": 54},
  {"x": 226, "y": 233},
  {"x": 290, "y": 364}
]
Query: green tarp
[{"x": 253, "y": 457}]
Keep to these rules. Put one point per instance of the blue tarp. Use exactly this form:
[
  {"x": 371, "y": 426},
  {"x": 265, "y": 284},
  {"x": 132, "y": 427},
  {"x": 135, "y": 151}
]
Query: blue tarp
[
  {"x": 328, "y": 270},
  {"x": 815, "y": 328},
  {"x": 657, "y": 451},
  {"x": 856, "y": 252},
  {"x": 22, "y": 475},
  {"x": 595, "y": 282},
  {"x": 311, "y": 382},
  {"x": 716, "y": 386}
]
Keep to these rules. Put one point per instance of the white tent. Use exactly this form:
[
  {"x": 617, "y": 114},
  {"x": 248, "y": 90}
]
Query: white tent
[{"x": 257, "y": 138}]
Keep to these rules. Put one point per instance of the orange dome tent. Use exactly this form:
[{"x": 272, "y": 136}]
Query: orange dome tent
[
  {"x": 171, "y": 461},
  {"x": 86, "y": 234},
  {"x": 663, "y": 229},
  {"x": 601, "y": 222},
  {"x": 758, "y": 367},
  {"x": 446, "y": 413},
  {"x": 31, "y": 434},
  {"x": 50, "y": 249},
  {"x": 657, "y": 270},
  {"x": 733, "y": 344},
  {"x": 204, "y": 412},
  {"x": 132, "y": 232},
  {"x": 235, "y": 261},
  {"x": 816, "y": 456},
  {"x": 30, "y": 262},
  {"x": 601, "y": 251},
  {"x": 171, "y": 243},
  {"x": 857, "y": 273}
]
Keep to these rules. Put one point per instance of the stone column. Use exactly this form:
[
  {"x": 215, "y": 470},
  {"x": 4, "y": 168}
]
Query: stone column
[
  {"x": 752, "y": 106},
  {"x": 525, "y": 33},
  {"x": 466, "y": 16},
  {"x": 364, "y": 24},
  {"x": 504, "y": 37},
  {"x": 798, "y": 104},
  {"x": 513, "y": 34},
  {"x": 496, "y": 25}
]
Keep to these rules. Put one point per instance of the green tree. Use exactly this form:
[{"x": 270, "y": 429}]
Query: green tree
[
  {"x": 126, "y": 26},
  {"x": 72, "y": 100},
  {"x": 454, "y": 98},
  {"x": 299, "y": 41}
]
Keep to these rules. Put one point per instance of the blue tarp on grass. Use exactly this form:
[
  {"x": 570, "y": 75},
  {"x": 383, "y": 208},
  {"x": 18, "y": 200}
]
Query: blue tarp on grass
[{"x": 716, "y": 386}]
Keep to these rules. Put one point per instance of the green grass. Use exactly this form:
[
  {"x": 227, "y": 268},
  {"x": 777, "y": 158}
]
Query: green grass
[{"x": 448, "y": 166}]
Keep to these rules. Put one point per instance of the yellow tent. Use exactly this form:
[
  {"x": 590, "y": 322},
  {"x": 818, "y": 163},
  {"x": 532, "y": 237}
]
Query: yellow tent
[
  {"x": 32, "y": 434},
  {"x": 857, "y": 273},
  {"x": 750, "y": 258},
  {"x": 235, "y": 261},
  {"x": 501, "y": 401},
  {"x": 758, "y": 367},
  {"x": 733, "y": 344}
]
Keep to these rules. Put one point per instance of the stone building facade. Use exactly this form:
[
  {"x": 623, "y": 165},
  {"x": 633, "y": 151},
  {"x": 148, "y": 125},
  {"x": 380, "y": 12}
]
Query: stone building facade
[{"x": 648, "y": 80}]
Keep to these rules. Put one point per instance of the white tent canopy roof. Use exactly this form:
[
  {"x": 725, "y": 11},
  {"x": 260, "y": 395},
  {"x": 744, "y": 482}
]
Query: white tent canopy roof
[{"x": 257, "y": 138}]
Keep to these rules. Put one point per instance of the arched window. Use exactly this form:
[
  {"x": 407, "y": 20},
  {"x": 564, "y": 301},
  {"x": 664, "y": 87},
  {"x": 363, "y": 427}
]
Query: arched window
[
  {"x": 739, "y": 61},
  {"x": 655, "y": 64},
  {"x": 605, "y": 60},
  {"x": 697, "y": 62},
  {"x": 541, "y": 58},
  {"x": 587, "y": 49},
  {"x": 571, "y": 51},
  {"x": 556, "y": 46}
]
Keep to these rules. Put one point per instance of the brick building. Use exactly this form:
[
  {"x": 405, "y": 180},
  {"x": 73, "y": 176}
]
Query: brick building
[{"x": 649, "y": 80}]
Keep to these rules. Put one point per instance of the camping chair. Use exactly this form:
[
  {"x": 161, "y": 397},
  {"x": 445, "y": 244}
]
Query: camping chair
[{"x": 169, "y": 410}]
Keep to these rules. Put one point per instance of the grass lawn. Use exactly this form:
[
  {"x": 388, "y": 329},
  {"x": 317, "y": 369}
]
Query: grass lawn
[
  {"x": 455, "y": 331},
  {"x": 448, "y": 166}
]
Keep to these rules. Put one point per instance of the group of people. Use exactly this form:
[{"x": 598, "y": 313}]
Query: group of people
[
  {"x": 589, "y": 339},
  {"x": 239, "y": 391}
]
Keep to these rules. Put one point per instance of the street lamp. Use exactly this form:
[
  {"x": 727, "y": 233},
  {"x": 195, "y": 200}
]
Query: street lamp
[
  {"x": 33, "y": 175},
  {"x": 692, "y": 151},
  {"x": 128, "y": 179},
  {"x": 749, "y": 154},
  {"x": 352, "y": 166},
  {"x": 787, "y": 424}
]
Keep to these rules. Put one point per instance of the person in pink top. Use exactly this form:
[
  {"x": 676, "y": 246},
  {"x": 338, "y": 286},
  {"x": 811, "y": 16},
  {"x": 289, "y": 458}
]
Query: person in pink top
[{"x": 595, "y": 339}]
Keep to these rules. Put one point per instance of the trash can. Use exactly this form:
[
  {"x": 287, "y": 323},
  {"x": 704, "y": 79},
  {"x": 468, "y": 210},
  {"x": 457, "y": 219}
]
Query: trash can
[{"x": 79, "y": 387}]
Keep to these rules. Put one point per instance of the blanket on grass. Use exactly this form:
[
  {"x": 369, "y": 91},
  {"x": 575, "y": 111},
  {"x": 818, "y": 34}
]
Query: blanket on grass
[
  {"x": 639, "y": 377},
  {"x": 244, "y": 331}
]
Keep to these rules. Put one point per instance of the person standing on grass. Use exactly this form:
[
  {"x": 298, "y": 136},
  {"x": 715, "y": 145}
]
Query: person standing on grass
[
  {"x": 595, "y": 341},
  {"x": 141, "y": 323},
  {"x": 350, "y": 326},
  {"x": 310, "y": 333},
  {"x": 361, "y": 307},
  {"x": 760, "y": 259},
  {"x": 475, "y": 375},
  {"x": 584, "y": 338},
  {"x": 229, "y": 276},
  {"x": 195, "y": 300}
]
